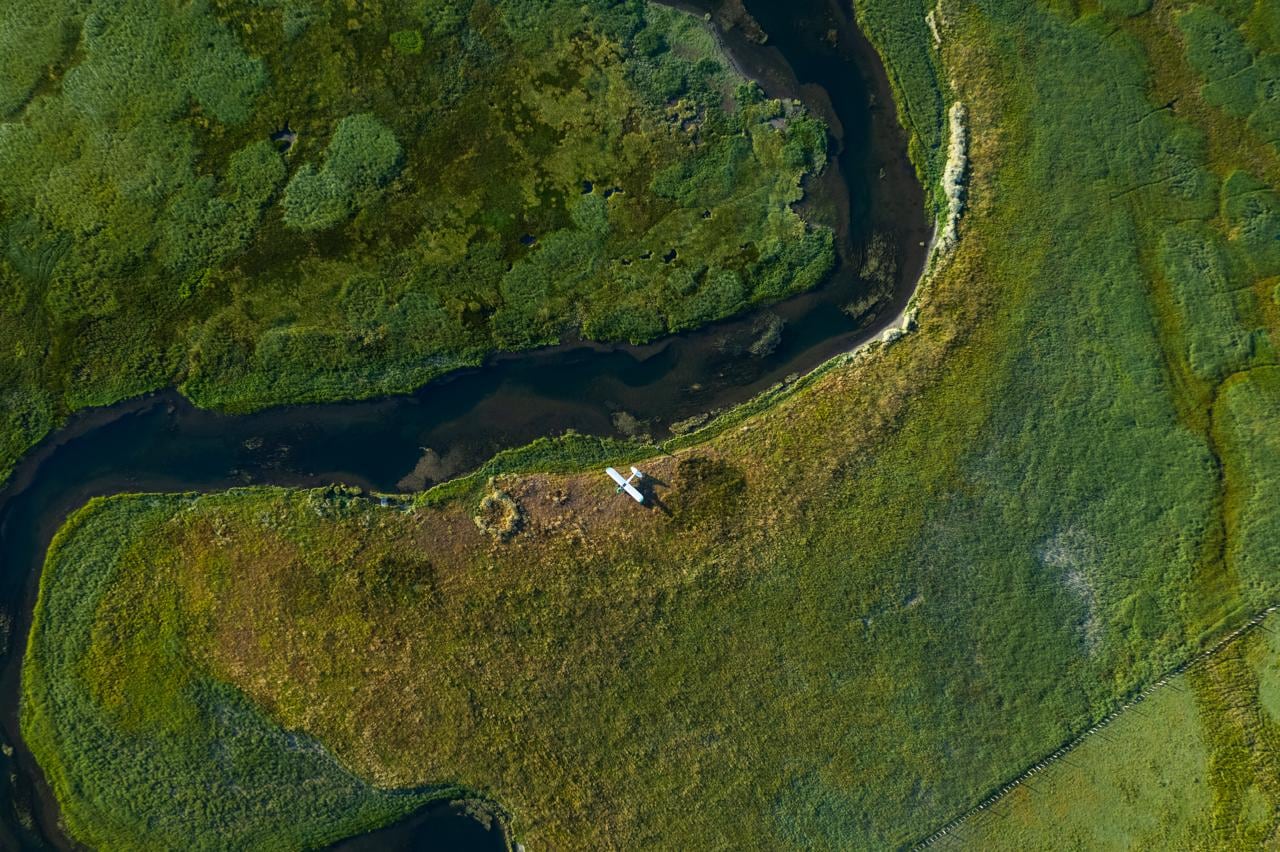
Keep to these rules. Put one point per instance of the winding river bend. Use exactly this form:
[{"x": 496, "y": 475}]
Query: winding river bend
[{"x": 163, "y": 443}]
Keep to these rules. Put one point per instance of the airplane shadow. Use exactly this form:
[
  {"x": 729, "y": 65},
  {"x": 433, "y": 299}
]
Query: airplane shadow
[{"x": 649, "y": 488}]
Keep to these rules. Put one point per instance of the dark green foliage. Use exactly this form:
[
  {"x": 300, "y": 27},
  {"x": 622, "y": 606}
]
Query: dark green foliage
[
  {"x": 314, "y": 200},
  {"x": 1240, "y": 78},
  {"x": 444, "y": 17},
  {"x": 1253, "y": 215},
  {"x": 919, "y": 87},
  {"x": 1127, "y": 8},
  {"x": 33, "y": 37},
  {"x": 221, "y": 78},
  {"x": 1265, "y": 120},
  {"x": 408, "y": 42},
  {"x": 1172, "y": 154},
  {"x": 1215, "y": 47},
  {"x": 792, "y": 266},
  {"x": 1196, "y": 264},
  {"x": 362, "y": 156},
  {"x": 1264, "y": 27},
  {"x": 707, "y": 179},
  {"x": 716, "y": 295},
  {"x": 155, "y": 234},
  {"x": 636, "y": 320},
  {"x": 1245, "y": 418},
  {"x": 203, "y": 226}
]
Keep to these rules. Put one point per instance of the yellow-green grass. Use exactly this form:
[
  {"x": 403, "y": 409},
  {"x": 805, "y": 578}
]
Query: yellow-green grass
[
  {"x": 863, "y": 606},
  {"x": 205, "y": 769},
  {"x": 465, "y": 176},
  {"x": 1194, "y": 767}
]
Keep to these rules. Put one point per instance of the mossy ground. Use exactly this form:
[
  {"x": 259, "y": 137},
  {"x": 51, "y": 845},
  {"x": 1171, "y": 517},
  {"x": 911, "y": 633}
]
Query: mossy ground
[
  {"x": 463, "y": 177},
  {"x": 854, "y": 611}
]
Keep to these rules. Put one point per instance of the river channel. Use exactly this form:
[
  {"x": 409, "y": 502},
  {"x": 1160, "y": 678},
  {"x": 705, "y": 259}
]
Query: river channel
[{"x": 161, "y": 442}]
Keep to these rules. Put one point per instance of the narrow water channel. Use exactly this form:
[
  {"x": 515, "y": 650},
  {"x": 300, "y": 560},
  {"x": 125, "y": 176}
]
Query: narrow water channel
[{"x": 163, "y": 443}]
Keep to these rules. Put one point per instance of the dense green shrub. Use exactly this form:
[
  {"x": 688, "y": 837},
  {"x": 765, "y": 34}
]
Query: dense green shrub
[
  {"x": 1245, "y": 418},
  {"x": 33, "y": 36},
  {"x": 902, "y": 31},
  {"x": 362, "y": 156},
  {"x": 205, "y": 223},
  {"x": 408, "y": 42},
  {"x": 720, "y": 293},
  {"x": 1215, "y": 47},
  {"x": 792, "y": 265},
  {"x": 142, "y": 197},
  {"x": 1197, "y": 266},
  {"x": 1235, "y": 79},
  {"x": 220, "y": 76},
  {"x": 1265, "y": 120},
  {"x": 1128, "y": 8},
  {"x": 1253, "y": 214},
  {"x": 315, "y": 200},
  {"x": 634, "y": 320}
]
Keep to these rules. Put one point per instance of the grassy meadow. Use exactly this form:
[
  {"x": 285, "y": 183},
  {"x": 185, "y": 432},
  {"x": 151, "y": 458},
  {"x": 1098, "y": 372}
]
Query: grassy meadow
[
  {"x": 1195, "y": 767},
  {"x": 853, "y": 612},
  {"x": 187, "y": 734},
  {"x": 300, "y": 200}
]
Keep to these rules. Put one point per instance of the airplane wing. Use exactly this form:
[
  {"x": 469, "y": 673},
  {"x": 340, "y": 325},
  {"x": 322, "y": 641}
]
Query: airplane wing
[{"x": 624, "y": 485}]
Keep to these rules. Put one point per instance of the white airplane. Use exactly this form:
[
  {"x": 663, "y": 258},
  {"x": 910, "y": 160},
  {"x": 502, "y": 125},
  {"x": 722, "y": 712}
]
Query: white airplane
[{"x": 625, "y": 484}]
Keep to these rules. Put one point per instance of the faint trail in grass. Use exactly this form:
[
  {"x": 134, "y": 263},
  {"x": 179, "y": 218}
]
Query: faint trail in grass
[{"x": 1066, "y": 748}]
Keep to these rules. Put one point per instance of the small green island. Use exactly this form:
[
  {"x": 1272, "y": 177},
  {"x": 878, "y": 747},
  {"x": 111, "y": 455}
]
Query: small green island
[{"x": 1004, "y": 578}]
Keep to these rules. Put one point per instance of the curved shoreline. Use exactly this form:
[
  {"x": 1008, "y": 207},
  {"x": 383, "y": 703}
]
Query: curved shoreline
[{"x": 167, "y": 409}]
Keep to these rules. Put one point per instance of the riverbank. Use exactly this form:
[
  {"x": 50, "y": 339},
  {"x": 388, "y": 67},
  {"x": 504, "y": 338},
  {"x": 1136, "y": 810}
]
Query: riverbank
[
  {"x": 163, "y": 443},
  {"x": 944, "y": 560},
  {"x": 947, "y": 559},
  {"x": 425, "y": 261}
]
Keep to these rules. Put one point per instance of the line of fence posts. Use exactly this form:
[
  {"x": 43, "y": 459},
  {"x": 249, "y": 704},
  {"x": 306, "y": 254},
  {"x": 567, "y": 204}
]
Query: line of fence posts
[{"x": 988, "y": 804}]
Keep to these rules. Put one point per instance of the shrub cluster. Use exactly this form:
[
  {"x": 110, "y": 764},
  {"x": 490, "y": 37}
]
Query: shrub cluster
[
  {"x": 428, "y": 208},
  {"x": 362, "y": 156}
]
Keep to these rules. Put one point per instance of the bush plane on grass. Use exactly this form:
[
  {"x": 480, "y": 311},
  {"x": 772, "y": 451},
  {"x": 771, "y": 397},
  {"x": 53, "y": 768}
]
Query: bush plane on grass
[{"x": 625, "y": 484}]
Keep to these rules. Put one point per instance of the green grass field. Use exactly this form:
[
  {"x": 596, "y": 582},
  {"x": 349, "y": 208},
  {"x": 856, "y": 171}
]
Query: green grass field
[
  {"x": 465, "y": 176},
  {"x": 200, "y": 756},
  {"x": 1195, "y": 767},
  {"x": 869, "y": 602}
]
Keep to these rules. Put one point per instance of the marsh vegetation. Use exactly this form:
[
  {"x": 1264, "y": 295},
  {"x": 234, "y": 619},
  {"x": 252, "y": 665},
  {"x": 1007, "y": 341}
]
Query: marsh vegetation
[
  {"x": 460, "y": 177},
  {"x": 874, "y": 596},
  {"x": 1195, "y": 768}
]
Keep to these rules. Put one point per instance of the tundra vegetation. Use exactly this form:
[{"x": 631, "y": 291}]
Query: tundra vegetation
[
  {"x": 1194, "y": 768},
  {"x": 862, "y": 603},
  {"x": 462, "y": 176}
]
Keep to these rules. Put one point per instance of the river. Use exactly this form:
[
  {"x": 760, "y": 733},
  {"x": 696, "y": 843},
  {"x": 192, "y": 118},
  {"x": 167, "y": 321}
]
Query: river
[{"x": 163, "y": 443}]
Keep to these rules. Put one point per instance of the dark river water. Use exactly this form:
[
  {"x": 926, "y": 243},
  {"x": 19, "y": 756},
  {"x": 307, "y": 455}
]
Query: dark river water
[{"x": 162, "y": 442}]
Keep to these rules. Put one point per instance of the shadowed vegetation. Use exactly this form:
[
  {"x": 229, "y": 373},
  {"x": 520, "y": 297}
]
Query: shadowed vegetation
[{"x": 870, "y": 601}]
